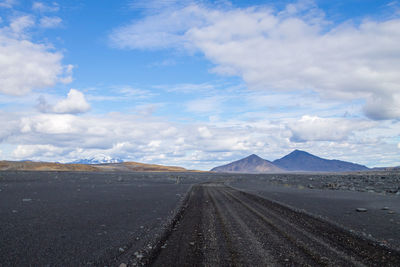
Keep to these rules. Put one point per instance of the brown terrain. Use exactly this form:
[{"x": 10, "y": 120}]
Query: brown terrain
[{"x": 50, "y": 166}]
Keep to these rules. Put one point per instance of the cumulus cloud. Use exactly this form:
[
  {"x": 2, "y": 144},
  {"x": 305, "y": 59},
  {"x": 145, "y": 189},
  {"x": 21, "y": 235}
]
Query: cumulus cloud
[
  {"x": 313, "y": 128},
  {"x": 26, "y": 65},
  {"x": 67, "y": 137},
  {"x": 50, "y": 22},
  {"x": 74, "y": 103},
  {"x": 289, "y": 50},
  {"x": 383, "y": 106},
  {"x": 30, "y": 151}
]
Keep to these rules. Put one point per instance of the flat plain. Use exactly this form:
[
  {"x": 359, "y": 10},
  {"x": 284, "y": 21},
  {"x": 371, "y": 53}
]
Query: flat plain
[{"x": 105, "y": 219}]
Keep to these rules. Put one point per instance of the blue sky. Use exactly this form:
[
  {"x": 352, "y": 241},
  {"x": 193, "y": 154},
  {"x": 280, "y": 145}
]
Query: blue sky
[{"x": 200, "y": 83}]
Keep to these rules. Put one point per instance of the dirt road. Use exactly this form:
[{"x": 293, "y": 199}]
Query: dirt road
[{"x": 221, "y": 226}]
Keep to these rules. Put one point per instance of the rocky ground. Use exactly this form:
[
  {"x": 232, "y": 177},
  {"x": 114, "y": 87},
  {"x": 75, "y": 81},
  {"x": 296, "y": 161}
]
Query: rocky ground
[
  {"x": 385, "y": 183},
  {"x": 113, "y": 219},
  {"x": 76, "y": 219}
]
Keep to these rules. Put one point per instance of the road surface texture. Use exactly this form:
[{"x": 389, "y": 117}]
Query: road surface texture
[
  {"x": 381, "y": 221},
  {"x": 222, "y": 226}
]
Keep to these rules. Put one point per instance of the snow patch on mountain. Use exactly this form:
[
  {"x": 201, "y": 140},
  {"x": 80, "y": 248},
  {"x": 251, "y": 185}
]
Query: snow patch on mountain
[{"x": 98, "y": 159}]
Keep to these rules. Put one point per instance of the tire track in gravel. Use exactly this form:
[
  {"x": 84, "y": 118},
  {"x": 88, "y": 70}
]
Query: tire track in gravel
[{"x": 222, "y": 226}]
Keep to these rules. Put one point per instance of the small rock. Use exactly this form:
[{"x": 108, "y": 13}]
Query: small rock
[
  {"x": 392, "y": 190},
  {"x": 361, "y": 209},
  {"x": 14, "y": 211},
  {"x": 123, "y": 265},
  {"x": 391, "y": 212},
  {"x": 325, "y": 260},
  {"x": 121, "y": 250},
  {"x": 191, "y": 243},
  {"x": 26, "y": 199},
  {"x": 385, "y": 208},
  {"x": 138, "y": 255},
  {"x": 310, "y": 186},
  {"x": 120, "y": 179}
]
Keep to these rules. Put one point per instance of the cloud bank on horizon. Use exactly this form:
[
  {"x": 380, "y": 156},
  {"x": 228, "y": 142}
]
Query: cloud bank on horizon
[{"x": 199, "y": 83}]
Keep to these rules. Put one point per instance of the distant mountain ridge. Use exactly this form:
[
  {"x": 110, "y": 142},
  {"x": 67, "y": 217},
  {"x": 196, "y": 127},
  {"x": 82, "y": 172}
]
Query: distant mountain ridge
[
  {"x": 295, "y": 161},
  {"x": 107, "y": 167},
  {"x": 250, "y": 164}
]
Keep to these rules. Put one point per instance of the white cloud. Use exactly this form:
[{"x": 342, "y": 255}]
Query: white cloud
[
  {"x": 7, "y": 3},
  {"x": 291, "y": 50},
  {"x": 398, "y": 145},
  {"x": 18, "y": 26},
  {"x": 313, "y": 128},
  {"x": 73, "y": 104},
  {"x": 160, "y": 31},
  {"x": 30, "y": 151},
  {"x": 204, "y": 105},
  {"x": 383, "y": 106},
  {"x": 24, "y": 65},
  {"x": 67, "y": 137},
  {"x": 42, "y": 7},
  {"x": 50, "y": 22}
]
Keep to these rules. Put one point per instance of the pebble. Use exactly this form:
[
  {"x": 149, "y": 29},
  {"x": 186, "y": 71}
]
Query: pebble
[
  {"x": 391, "y": 212},
  {"x": 325, "y": 260},
  {"x": 14, "y": 211},
  {"x": 361, "y": 209},
  {"x": 123, "y": 265},
  {"x": 26, "y": 199},
  {"x": 121, "y": 250},
  {"x": 385, "y": 208},
  {"x": 191, "y": 243},
  {"x": 138, "y": 255}
]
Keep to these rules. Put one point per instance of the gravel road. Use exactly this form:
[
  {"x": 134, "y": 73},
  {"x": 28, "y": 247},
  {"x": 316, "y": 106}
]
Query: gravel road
[{"x": 222, "y": 226}]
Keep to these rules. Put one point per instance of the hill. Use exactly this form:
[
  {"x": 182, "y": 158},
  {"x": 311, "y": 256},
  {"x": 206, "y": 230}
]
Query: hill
[
  {"x": 250, "y": 164},
  {"x": 303, "y": 161},
  {"x": 50, "y": 166}
]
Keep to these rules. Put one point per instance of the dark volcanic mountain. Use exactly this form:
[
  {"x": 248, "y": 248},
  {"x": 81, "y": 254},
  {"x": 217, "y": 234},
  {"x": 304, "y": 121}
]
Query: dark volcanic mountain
[
  {"x": 303, "y": 161},
  {"x": 251, "y": 164}
]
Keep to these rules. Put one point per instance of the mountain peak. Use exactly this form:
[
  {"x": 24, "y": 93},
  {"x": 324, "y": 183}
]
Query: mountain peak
[
  {"x": 253, "y": 156},
  {"x": 249, "y": 164}
]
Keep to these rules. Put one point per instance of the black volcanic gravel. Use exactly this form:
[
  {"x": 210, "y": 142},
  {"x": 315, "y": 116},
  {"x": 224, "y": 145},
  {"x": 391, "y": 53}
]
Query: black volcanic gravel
[
  {"x": 72, "y": 219},
  {"x": 103, "y": 219}
]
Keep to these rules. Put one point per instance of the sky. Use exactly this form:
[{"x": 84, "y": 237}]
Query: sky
[{"x": 200, "y": 83}]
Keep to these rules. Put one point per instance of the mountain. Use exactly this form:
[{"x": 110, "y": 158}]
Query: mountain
[
  {"x": 303, "y": 161},
  {"x": 250, "y": 164},
  {"x": 98, "y": 159}
]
